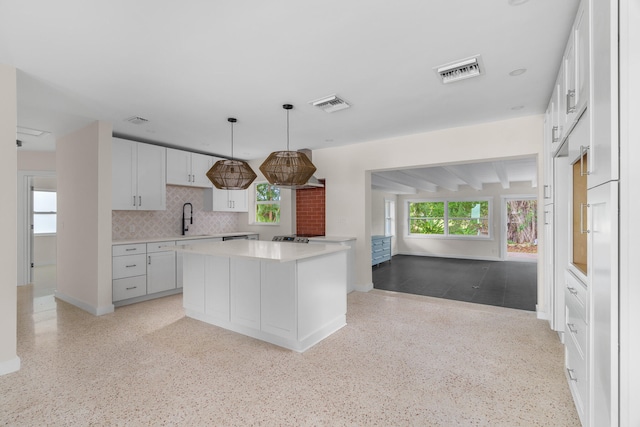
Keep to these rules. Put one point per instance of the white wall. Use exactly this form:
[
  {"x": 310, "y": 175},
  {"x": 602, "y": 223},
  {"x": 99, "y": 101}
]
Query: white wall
[
  {"x": 378, "y": 199},
  {"x": 84, "y": 218},
  {"x": 36, "y": 160},
  {"x": 9, "y": 360},
  {"x": 287, "y": 210},
  {"x": 348, "y": 169},
  {"x": 488, "y": 249}
]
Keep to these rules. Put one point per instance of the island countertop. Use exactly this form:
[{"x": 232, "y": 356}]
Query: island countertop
[{"x": 260, "y": 250}]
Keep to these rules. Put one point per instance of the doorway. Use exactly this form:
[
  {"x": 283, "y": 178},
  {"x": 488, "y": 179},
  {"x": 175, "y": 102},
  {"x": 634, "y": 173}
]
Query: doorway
[{"x": 520, "y": 225}]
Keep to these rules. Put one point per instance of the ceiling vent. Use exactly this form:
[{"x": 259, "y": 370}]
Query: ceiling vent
[
  {"x": 31, "y": 132},
  {"x": 460, "y": 70},
  {"x": 136, "y": 120},
  {"x": 330, "y": 104}
]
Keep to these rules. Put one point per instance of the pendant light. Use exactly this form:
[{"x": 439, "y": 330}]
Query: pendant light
[
  {"x": 231, "y": 174},
  {"x": 287, "y": 168}
]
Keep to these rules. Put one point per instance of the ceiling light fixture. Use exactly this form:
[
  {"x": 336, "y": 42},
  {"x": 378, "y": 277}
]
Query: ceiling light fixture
[
  {"x": 231, "y": 174},
  {"x": 287, "y": 168},
  {"x": 518, "y": 72}
]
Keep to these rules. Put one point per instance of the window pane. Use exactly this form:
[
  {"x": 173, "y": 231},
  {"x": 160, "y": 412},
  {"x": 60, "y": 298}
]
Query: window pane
[
  {"x": 44, "y": 223},
  {"x": 44, "y": 201},
  {"x": 426, "y": 218},
  {"x": 269, "y": 213},
  {"x": 468, "y": 218},
  {"x": 267, "y": 192}
]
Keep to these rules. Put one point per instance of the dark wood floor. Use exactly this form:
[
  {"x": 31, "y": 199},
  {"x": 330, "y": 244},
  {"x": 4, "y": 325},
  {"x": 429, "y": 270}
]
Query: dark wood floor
[{"x": 510, "y": 284}]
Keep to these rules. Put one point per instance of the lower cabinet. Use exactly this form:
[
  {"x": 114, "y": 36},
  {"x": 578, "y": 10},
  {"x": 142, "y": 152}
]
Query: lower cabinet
[
  {"x": 380, "y": 249},
  {"x": 576, "y": 342}
]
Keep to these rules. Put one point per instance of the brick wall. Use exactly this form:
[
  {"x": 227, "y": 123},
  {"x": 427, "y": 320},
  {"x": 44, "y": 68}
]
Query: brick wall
[{"x": 310, "y": 211}]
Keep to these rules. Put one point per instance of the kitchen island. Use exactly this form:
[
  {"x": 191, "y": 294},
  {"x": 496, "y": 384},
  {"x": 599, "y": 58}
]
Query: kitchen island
[{"x": 289, "y": 294}]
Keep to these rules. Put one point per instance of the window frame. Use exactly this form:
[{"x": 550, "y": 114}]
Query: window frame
[
  {"x": 446, "y": 235},
  {"x": 390, "y": 217},
  {"x": 256, "y": 202}
]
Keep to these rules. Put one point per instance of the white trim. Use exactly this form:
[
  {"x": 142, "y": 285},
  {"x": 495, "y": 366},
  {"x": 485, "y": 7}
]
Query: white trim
[
  {"x": 503, "y": 220},
  {"x": 363, "y": 288},
  {"x": 478, "y": 258},
  {"x": 541, "y": 315},
  {"x": 96, "y": 311},
  {"x": 9, "y": 366}
]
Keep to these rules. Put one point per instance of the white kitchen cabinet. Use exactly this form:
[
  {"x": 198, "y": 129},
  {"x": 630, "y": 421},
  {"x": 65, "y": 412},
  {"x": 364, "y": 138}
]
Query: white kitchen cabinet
[
  {"x": 226, "y": 200},
  {"x": 576, "y": 67},
  {"x": 179, "y": 263},
  {"x": 129, "y": 271},
  {"x": 555, "y": 105},
  {"x": 217, "y": 285},
  {"x": 161, "y": 267},
  {"x": 138, "y": 176},
  {"x": 189, "y": 169},
  {"x": 548, "y": 261},
  {"x": 193, "y": 296}
]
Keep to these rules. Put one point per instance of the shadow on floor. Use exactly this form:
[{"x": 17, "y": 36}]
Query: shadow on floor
[{"x": 511, "y": 284}]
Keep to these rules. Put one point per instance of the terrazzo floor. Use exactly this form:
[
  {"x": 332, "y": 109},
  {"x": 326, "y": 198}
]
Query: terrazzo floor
[{"x": 402, "y": 360}]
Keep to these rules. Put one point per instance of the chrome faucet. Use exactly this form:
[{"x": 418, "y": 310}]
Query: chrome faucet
[{"x": 185, "y": 227}]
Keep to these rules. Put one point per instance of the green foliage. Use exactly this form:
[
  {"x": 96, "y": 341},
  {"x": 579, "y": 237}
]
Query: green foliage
[
  {"x": 462, "y": 218},
  {"x": 267, "y": 212}
]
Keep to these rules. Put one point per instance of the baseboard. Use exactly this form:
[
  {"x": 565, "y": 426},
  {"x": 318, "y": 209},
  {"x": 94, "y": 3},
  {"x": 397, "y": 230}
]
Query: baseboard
[
  {"x": 96, "y": 311},
  {"x": 542, "y": 315},
  {"x": 363, "y": 288},
  {"x": 10, "y": 366},
  {"x": 478, "y": 258}
]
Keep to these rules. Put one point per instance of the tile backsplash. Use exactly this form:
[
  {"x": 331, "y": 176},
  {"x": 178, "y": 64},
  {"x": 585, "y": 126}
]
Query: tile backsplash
[{"x": 128, "y": 225}]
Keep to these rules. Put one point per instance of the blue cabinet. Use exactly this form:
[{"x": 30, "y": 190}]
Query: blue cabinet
[{"x": 380, "y": 249}]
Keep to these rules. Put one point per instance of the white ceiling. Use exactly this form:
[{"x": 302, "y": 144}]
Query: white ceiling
[
  {"x": 187, "y": 66},
  {"x": 456, "y": 177}
]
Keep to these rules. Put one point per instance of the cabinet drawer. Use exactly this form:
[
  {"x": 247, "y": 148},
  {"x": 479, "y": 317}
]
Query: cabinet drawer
[
  {"x": 159, "y": 246},
  {"x": 119, "y": 250},
  {"x": 576, "y": 328},
  {"x": 128, "y": 266},
  {"x": 129, "y": 287},
  {"x": 576, "y": 296},
  {"x": 576, "y": 372}
]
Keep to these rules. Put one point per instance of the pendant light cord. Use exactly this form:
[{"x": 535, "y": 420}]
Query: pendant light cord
[
  {"x": 287, "y": 130},
  {"x": 231, "y": 140}
]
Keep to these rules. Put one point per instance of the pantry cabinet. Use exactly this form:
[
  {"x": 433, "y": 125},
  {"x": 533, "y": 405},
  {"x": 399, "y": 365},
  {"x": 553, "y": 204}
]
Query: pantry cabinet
[
  {"x": 576, "y": 67},
  {"x": 138, "y": 176},
  {"x": 188, "y": 169}
]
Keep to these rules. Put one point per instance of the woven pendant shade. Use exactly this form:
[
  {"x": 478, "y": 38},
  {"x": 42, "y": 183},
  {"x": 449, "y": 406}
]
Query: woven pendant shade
[
  {"x": 231, "y": 174},
  {"x": 287, "y": 168}
]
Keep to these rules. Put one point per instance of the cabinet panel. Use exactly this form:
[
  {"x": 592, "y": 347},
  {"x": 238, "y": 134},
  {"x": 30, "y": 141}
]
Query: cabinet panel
[
  {"x": 152, "y": 192},
  {"x": 200, "y": 165},
  {"x": 226, "y": 200},
  {"x": 576, "y": 370},
  {"x": 278, "y": 302},
  {"x": 178, "y": 167},
  {"x": 133, "y": 249},
  {"x": 129, "y": 287},
  {"x": 127, "y": 266},
  {"x": 217, "y": 288},
  {"x": 161, "y": 271},
  {"x": 245, "y": 292},
  {"x": 123, "y": 175},
  {"x": 193, "y": 296}
]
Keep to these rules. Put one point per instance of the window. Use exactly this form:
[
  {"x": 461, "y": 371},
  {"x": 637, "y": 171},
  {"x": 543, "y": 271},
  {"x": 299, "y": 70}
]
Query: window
[
  {"x": 460, "y": 218},
  {"x": 389, "y": 218},
  {"x": 267, "y": 203},
  {"x": 44, "y": 212}
]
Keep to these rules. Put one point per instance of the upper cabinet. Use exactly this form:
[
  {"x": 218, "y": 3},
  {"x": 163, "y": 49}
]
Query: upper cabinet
[
  {"x": 576, "y": 67},
  {"x": 226, "y": 200},
  {"x": 185, "y": 168},
  {"x": 138, "y": 176}
]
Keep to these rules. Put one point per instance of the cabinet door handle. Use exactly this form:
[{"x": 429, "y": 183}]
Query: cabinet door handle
[
  {"x": 554, "y": 134},
  {"x": 149, "y": 262},
  {"x": 133, "y": 287},
  {"x": 571, "y": 96},
  {"x": 544, "y": 191},
  {"x": 583, "y": 151},
  {"x": 582, "y": 207},
  {"x": 572, "y": 328},
  {"x": 134, "y": 200},
  {"x": 132, "y": 265},
  {"x": 139, "y": 201},
  {"x": 131, "y": 249},
  {"x": 545, "y": 218},
  {"x": 572, "y": 377},
  {"x": 572, "y": 291}
]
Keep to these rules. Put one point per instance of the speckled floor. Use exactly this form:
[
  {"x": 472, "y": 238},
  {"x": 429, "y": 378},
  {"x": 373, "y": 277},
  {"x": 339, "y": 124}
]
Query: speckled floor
[{"x": 401, "y": 360}]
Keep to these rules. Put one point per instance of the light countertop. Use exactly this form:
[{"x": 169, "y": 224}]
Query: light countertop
[
  {"x": 260, "y": 249},
  {"x": 178, "y": 238},
  {"x": 331, "y": 239}
]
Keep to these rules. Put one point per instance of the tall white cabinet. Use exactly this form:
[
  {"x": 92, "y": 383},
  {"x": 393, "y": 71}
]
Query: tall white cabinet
[{"x": 581, "y": 167}]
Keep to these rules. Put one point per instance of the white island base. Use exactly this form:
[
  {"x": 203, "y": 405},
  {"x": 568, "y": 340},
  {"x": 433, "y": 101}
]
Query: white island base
[{"x": 293, "y": 301}]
